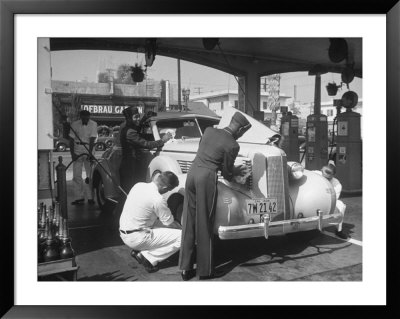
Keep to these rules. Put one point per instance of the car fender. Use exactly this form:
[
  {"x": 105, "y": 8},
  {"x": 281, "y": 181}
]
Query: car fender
[
  {"x": 310, "y": 193},
  {"x": 163, "y": 163}
]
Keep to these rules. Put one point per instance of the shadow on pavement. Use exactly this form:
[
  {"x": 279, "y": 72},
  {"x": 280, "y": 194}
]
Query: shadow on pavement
[
  {"x": 94, "y": 238},
  {"x": 108, "y": 276},
  {"x": 280, "y": 249}
]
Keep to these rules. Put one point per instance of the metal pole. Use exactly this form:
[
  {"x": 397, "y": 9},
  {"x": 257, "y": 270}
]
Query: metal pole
[
  {"x": 179, "y": 85},
  {"x": 62, "y": 187}
]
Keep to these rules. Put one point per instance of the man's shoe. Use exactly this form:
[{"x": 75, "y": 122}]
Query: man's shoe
[
  {"x": 147, "y": 264},
  {"x": 134, "y": 254},
  {"x": 78, "y": 202},
  {"x": 91, "y": 201},
  {"x": 188, "y": 274},
  {"x": 341, "y": 234}
]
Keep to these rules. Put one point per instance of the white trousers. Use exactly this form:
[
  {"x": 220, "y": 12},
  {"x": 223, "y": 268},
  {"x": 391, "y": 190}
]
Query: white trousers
[
  {"x": 80, "y": 187},
  {"x": 155, "y": 245},
  {"x": 341, "y": 207}
]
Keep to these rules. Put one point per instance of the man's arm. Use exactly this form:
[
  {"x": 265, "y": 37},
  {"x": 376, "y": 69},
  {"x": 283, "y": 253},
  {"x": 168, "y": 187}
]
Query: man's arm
[
  {"x": 164, "y": 213},
  {"x": 133, "y": 138},
  {"x": 228, "y": 170}
]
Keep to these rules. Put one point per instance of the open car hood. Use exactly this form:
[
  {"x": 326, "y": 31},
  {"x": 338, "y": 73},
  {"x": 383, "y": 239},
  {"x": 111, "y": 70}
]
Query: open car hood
[{"x": 258, "y": 133}]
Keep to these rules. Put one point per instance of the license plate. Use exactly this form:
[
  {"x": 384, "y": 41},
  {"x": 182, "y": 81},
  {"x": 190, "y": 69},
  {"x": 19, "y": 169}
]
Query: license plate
[{"x": 261, "y": 206}]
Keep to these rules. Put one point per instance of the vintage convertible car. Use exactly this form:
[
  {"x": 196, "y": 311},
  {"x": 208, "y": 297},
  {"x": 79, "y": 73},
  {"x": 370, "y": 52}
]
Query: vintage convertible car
[{"x": 277, "y": 197}]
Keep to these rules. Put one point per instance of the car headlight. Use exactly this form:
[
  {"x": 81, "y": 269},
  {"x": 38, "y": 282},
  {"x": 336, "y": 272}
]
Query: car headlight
[{"x": 295, "y": 170}]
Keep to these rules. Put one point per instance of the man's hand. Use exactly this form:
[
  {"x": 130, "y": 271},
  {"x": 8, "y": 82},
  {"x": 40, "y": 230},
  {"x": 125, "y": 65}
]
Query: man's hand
[
  {"x": 166, "y": 137},
  {"x": 150, "y": 114},
  {"x": 240, "y": 170}
]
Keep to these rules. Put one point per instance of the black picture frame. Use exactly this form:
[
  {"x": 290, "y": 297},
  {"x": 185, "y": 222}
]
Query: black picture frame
[{"x": 8, "y": 10}]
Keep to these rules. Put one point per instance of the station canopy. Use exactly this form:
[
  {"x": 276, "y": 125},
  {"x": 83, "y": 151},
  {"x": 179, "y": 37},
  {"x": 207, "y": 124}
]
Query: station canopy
[{"x": 234, "y": 55}]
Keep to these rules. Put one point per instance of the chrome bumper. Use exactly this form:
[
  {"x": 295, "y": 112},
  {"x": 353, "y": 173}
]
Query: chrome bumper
[{"x": 269, "y": 228}]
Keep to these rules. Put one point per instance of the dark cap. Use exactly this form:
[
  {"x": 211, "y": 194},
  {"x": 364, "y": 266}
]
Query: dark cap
[
  {"x": 240, "y": 119},
  {"x": 130, "y": 111}
]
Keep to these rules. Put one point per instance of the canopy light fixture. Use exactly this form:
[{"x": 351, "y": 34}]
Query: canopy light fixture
[{"x": 150, "y": 49}]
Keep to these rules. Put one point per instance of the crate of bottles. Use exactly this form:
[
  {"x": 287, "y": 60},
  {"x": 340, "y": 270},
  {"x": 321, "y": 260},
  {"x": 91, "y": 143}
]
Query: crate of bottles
[{"x": 55, "y": 253}]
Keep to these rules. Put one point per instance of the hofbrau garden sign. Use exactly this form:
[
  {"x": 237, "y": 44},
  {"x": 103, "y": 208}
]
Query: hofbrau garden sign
[{"x": 107, "y": 109}]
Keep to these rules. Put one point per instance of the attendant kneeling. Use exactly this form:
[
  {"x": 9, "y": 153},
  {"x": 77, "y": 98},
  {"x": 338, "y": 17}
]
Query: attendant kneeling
[{"x": 147, "y": 224}]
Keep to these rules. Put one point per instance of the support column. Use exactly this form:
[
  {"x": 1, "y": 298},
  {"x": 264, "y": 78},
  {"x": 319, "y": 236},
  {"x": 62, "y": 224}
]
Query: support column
[
  {"x": 252, "y": 93},
  {"x": 249, "y": 93},
  {"x": 317, "y": 70},
  {"x": 241, "y": 93},
  {"x": 317, "y": 94}
]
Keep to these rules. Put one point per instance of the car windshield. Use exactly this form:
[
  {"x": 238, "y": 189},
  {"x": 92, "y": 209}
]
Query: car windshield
[{"x": 182, "y": 128}]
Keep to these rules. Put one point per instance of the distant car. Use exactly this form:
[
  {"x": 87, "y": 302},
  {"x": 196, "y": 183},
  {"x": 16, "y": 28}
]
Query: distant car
[
  {"x": 104, "y": 139},
  {"x": 103, "y": 142},
  {"x": 61, "y": 144}
]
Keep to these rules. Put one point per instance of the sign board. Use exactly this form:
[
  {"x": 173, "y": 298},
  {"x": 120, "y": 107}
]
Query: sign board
[
  {"x": 311, "y": 134},
  {"x": 107, "y": 109},
  {"x": 343, "y": 128},
  {"x": 285, "y": 129}
]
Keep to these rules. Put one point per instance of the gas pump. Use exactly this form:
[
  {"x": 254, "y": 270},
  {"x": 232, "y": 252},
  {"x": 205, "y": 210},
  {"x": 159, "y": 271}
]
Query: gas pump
[
  {"x": 349, "y": 145},
  {"x": 316, "y": 141},
  {"x": 290, "y": 132}
]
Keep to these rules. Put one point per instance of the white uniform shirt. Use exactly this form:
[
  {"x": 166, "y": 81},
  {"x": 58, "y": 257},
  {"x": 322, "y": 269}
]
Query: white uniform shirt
[
  {"x": 85, "y": 132},
  {"x": 143, "y": 206}
]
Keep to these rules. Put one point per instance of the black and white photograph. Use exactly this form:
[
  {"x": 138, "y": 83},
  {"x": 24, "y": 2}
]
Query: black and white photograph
[
  {"x": 199, "y": 160},
  {"x": 234, "y": 159}
]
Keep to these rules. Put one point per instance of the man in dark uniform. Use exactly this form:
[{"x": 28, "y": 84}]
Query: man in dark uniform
[
  {"x": 132, "y": 169},
  {"x": 217, "y": 151},
  {"x": 133, "y": 146}
]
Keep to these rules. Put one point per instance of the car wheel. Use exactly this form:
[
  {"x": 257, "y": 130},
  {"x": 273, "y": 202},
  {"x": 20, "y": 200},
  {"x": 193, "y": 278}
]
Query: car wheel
[
  {"x": 99, "y": 189},
  {"x": 61, "y": 147},
  {"x": 100, "y": 147},
  {"x": 105, "y": 205}
]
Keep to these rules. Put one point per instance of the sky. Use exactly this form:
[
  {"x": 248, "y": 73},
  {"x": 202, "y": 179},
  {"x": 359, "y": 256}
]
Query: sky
[{"x": 78, "y": 65}]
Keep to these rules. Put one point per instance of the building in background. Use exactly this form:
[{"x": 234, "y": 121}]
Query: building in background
[
  {"x": 218, "y": 100},
  {"x": 105, "y": 101}
]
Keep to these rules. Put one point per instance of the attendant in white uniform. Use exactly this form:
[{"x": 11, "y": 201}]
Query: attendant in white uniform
[
  {"x": 328, "y": 172},
  {"x": 86, "y": 129},
  {"x": 147, "y": 224}
]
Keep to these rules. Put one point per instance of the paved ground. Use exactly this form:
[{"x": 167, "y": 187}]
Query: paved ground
[{"x": 102, "y": 256}]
